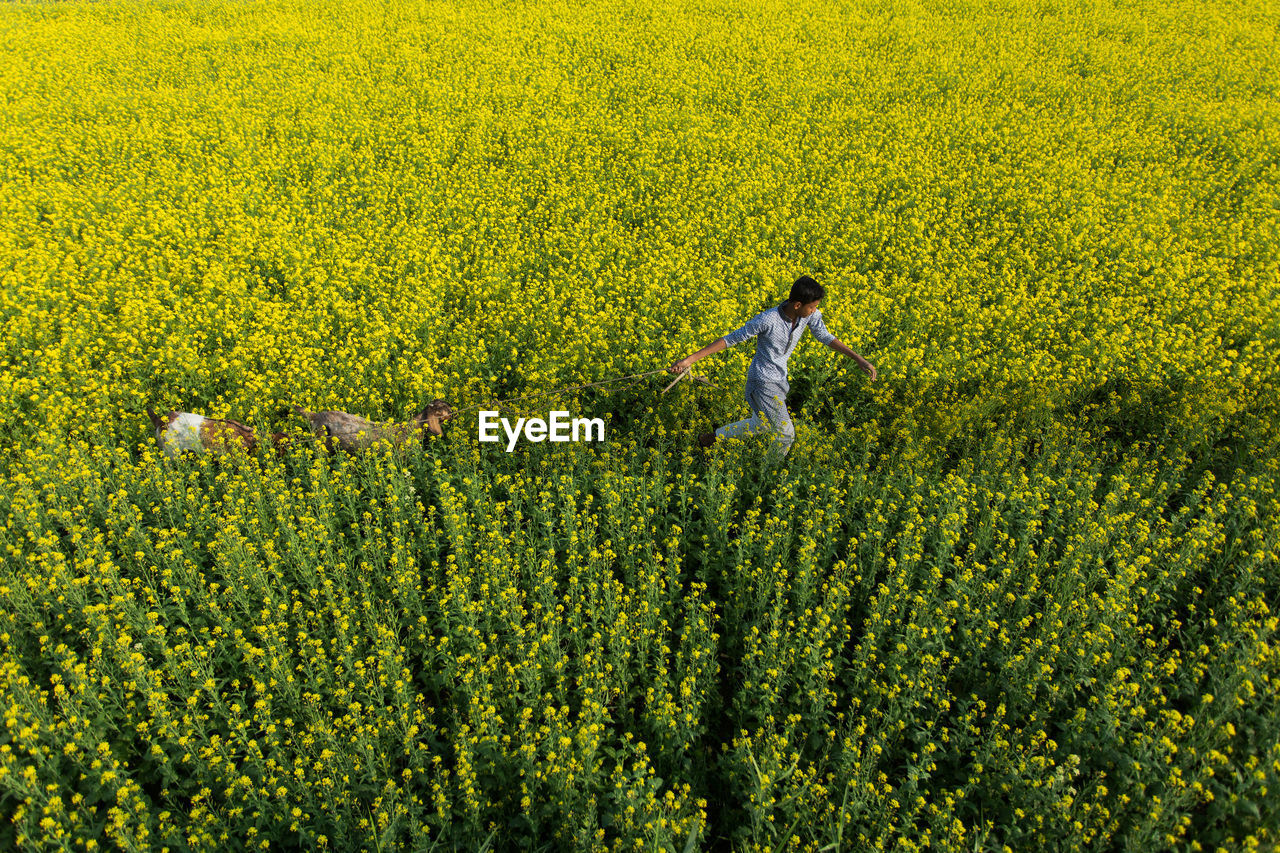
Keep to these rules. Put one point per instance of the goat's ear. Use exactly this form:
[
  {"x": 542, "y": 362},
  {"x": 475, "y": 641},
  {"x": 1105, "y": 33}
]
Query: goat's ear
[{"x": 433, "y": 424}]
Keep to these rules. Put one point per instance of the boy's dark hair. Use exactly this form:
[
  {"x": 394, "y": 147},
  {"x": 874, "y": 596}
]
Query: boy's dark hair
[{"x": 806, "y": 290}]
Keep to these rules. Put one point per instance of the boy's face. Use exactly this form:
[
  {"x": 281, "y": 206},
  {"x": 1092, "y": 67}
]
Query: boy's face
[{"x": 804, "y": 309}]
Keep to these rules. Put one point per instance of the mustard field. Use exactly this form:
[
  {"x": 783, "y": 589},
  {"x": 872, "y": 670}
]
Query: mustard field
[{"x": 1019, "y": 593}]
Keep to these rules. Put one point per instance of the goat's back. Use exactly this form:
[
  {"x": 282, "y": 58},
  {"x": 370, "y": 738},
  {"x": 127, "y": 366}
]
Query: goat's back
[{"x": 347, "y": 431}]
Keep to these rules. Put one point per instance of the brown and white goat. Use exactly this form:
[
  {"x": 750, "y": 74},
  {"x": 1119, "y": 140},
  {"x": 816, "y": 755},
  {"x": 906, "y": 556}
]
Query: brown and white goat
[
  {"x": 180, "y": 431},
  {"x": 340, "y": 430}
]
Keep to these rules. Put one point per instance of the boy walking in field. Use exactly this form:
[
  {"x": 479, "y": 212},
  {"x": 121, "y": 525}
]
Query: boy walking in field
[{"x": 777, "y": 330}]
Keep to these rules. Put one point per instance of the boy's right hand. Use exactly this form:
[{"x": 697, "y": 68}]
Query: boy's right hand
[{"x": 680, "y": 366}]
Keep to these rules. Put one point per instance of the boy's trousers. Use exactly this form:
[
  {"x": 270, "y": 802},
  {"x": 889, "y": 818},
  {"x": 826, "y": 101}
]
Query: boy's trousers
[{"x": 768, "y": 402}]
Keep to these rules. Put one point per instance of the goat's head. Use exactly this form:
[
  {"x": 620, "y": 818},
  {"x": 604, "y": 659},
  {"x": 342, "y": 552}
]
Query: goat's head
[
  {"x": 281, "y": 442},
  {"x": 433, "y": 414}
]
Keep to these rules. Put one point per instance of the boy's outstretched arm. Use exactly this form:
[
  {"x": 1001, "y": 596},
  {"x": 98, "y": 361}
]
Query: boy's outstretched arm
[
  {"x": 867, "y": 367},
  {"x": 710, "y": 349}
]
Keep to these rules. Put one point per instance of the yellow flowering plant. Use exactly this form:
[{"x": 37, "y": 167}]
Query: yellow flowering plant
[{"x": 1018, "y": 593}]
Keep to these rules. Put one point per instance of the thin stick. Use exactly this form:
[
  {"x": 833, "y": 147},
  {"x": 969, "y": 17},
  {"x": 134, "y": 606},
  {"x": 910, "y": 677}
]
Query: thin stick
[{"x": 679, "y": 376}]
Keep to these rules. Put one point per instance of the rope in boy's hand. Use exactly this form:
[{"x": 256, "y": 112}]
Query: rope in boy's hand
[{"x": 634, "y": 376}]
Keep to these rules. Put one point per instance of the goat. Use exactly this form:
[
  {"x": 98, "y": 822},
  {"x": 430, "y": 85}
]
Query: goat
[
  {"x": 353, "y": 433},
  {"x": 180, "y": 431}
]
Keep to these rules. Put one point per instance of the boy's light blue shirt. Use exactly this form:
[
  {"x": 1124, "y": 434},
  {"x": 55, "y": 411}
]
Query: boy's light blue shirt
[{"x": 776, "y": 339}]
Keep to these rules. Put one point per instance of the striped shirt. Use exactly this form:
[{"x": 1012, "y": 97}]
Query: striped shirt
[{"x": 776, "y": 338}]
